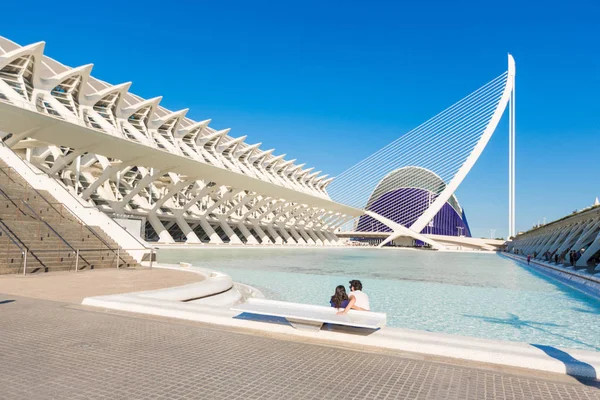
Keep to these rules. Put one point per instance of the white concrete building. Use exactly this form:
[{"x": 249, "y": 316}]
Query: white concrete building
[
  {"x": 556, "y": 241},
  {"x": 179, "y": 180},
  {"x": 133, "y": 158}
]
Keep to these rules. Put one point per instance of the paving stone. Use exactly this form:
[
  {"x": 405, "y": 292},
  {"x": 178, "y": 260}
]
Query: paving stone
[{"x": 49, "y": 350}]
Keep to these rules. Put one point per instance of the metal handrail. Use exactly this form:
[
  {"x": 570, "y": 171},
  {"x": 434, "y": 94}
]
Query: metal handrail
[
  {"x": 38, "y": 172},
  {"x": 37, "y": 217},
  {"x": 9, "y": 235},
  {"x": 41, "y": 173},
  {"x": 12, "y": 201},
  {"x": 50, "y": 227},
  {"x": 3, "y": 224},
  {"x": 79, "y": 220}
]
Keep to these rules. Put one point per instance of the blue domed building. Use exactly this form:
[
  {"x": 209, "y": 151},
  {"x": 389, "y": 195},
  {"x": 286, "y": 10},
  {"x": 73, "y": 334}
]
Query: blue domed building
[{"x": 404, "y": 195}]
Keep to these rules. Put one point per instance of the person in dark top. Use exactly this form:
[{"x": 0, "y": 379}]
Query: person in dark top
[{"x": 340, "y": 298}]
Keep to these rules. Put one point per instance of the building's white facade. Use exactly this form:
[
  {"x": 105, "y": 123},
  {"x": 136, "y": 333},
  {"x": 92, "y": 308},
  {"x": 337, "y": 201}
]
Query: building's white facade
[
  {"x": 133, "y": 158},
  {"x": 187, "y": 182},
  {"x": 554, "y": 242}
]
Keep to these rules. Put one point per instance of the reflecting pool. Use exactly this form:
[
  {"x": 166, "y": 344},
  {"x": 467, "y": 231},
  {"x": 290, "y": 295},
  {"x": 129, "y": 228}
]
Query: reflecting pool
[{"x": 473, "y": 294}]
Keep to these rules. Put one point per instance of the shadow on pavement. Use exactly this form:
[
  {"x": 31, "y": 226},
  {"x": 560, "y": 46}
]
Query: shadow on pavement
[
  {"x": 326, "y": 327},
  {"x": 582, "y": 371},
  {"x": 263, "y": 318},
  {"x": 6, "y": 301}
]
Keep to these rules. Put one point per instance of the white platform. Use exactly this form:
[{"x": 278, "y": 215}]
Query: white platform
[{"x": 559, "y": 360}]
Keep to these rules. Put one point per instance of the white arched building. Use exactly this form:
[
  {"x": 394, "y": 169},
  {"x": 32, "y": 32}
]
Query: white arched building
[{"x": 131, "y": 158}]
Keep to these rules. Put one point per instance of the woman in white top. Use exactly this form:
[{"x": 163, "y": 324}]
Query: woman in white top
[{"x": 358, "y": 299}]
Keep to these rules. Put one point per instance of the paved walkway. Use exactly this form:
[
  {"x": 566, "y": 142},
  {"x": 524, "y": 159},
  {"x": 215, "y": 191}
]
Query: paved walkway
[
  {"x": 73, "y": 287},
  {"x": 52, "y": 350}
]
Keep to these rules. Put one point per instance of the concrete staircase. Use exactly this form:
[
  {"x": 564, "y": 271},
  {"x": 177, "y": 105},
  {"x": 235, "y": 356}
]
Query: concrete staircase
[{"x": 37, "y": 228}]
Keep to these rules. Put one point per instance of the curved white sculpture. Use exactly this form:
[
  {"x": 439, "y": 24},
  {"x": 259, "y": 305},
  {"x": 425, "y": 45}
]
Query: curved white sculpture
[{"x": 448, "y": 145}]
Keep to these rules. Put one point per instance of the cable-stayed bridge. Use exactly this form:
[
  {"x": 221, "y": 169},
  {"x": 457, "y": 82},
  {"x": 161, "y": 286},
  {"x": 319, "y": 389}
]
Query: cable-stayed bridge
[{"x": 404, "y": 186}]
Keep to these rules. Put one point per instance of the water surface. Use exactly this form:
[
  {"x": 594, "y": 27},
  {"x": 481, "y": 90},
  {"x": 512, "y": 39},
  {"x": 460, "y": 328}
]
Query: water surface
[{"x": 482, "y": 295}]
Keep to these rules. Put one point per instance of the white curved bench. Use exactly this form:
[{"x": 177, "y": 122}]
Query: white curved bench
[{"x": 310, "y": 317}]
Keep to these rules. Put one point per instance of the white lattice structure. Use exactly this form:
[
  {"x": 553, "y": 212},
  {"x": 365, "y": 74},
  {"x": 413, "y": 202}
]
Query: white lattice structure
[{"x": 130, "y": 156}]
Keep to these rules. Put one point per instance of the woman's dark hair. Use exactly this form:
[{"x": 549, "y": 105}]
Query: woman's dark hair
[
  {"x": 339, "y": 296},
  {"x": 356, "y": 285}
]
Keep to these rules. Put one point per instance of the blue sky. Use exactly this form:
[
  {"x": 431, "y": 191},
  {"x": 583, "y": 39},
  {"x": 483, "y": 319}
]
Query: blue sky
[{"x": 331, "y": 82}]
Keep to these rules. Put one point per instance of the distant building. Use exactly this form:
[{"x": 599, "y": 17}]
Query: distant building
[{"x": 404, "y": 195}]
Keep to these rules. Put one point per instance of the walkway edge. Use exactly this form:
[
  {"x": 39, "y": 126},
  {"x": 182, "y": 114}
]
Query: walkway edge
[{"x": 580, "y": 363}]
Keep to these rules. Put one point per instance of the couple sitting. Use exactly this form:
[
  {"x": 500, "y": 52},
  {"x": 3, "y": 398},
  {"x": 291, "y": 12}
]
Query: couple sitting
[{"x": 356, "y": 301}]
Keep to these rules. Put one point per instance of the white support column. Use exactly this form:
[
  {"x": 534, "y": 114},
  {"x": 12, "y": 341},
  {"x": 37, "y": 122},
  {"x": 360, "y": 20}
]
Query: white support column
[
  {"x": 163, "y": 235},
  {"x": 172, "y": 190},
  {"x": 332, "y": 222},
  {"x": 205, "y": 191},
  {"x": 250, "y": 239},
  {"x": 214, "y": 237},
  {"x": 282, "y": 226},
  {"x": 17, "y": 137},
  {"x": 256, "y": 207},
  {"x": 554, "y": 243},
  {"x": 305, "y": 235},
  {"x": 286, "y": 236},
  {"x": 77, "y": 173},
  {"x": 590, "y": 231},
  {"x": 309, "y": 216},
  {"x": 299, "y": 239},
  {"x": 106, "y": 175},
  {"x": 233, "y": 238},
  {"x": 190, "y": 234},
  {"x": 568, "y": 242},
  {"x": 275, "y": 235},
  {"x": 64, "y": 161},
  {"x": 512, "y": 161},
  {"x": 313, "y": 235},
  {"x": 589, "y": 252},
  {"x": 141, "y": 184},
  {"x": 187, "y": 230},
  {"x": 543, "y": 238},
  {"x": 510, "y": 167},
  {"x": 333, "y": 239},
  {"x": 549, "y": 239},
  {"x": 528, "y": 249},
  {"x": 324, "y": 240},
  {"x": 240, "y": 204},
  {"x": 264, "y": 238},
  {"x": 297, "y": 236}
]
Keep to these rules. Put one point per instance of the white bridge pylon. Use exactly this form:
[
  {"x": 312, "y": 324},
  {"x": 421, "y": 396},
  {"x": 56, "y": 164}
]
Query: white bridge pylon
[{"x": 448, "y": 145}]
